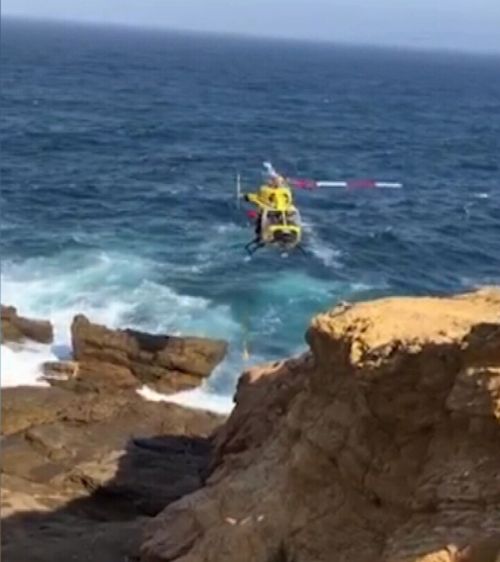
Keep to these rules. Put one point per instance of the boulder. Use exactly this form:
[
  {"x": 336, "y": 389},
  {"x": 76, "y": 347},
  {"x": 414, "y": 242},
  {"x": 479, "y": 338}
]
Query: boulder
[
  {"x": 128, "y": 358},
  {"x": 16, "y": 328}
]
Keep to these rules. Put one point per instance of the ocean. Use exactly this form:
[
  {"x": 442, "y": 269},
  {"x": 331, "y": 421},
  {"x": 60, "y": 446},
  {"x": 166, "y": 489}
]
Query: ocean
[{"x": 119, "y": 151}]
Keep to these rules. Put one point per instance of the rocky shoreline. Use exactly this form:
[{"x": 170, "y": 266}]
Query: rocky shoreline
[
  {"x": 104, "y": 359},
  {"x": 87, "y": 461},
  {"x": 380, "y": 444}
]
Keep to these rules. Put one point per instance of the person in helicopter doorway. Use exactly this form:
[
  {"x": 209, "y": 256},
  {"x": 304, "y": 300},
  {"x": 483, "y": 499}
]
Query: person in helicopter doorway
[{"x": 274, "y": 195}]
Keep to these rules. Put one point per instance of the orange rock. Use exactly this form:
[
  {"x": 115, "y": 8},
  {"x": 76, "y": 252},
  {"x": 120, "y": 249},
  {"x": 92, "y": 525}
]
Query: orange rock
[
  {"x": 127, "y": 358},
  {"x": 382, "y": 445}
]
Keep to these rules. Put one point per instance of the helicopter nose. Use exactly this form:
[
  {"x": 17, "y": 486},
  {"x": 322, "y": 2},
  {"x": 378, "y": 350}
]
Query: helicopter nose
[{"x": 286, "y": 238}]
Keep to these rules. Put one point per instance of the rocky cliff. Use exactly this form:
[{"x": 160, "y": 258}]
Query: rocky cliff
[{"x": 380, "y": 444}]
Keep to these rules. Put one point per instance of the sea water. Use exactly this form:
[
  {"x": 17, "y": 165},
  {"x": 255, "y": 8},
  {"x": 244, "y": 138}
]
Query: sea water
[{"x": 119, "y": 152}]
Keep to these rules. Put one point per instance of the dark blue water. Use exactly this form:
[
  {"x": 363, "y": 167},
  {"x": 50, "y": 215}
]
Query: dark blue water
[{"x": 119, "y": 151}]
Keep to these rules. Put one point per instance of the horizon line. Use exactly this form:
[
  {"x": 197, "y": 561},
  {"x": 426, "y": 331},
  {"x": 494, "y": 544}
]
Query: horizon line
[{"x": 404, "y": 47}]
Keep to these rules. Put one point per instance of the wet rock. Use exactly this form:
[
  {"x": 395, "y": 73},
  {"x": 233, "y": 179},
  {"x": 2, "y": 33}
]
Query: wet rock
[
  {"x": 16, "y": 328},
  {"x": 127, "y": 358},
  {"x": 93, "y": 376},
  {"x": 59, "y": 370}
]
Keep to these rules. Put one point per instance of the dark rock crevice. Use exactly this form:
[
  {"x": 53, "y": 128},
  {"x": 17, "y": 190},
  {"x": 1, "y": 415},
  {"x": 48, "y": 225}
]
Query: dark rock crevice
[{"x": 83, "y": 491}]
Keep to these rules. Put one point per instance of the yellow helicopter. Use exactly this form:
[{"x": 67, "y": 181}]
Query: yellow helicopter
[{"x": 277, "y": 219}]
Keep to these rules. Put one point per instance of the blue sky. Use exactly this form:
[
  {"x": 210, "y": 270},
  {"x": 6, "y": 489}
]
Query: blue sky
[{"x": 454, "y": 24}]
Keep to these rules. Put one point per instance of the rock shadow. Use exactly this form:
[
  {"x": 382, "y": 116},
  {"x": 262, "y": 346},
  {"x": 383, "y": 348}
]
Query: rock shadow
[{"x": 105, "y": 522}]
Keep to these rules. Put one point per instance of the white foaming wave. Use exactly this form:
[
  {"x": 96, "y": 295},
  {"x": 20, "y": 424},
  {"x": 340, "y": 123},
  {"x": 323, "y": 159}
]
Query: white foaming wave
[
  {"x": 109, "y": 289},
  {"x": 360, "y": 287},
  {"x": 212, "y": 394},
  {"x": 21, "y": 365},
  {"x": 178, "y": 314},
  {"x": 229, "y": 228},
  {"x": 108, "y": 315},
  {"x": 197, "y": 399},
  {"x": 49, "y": 300},
  {"x": 222, "y": 238},
  {"x": 295, "y": 287},
  {"x": 206, "y": 396},
  {"x": 327, "y": 254},
  {"x": 242, "y": 355}
]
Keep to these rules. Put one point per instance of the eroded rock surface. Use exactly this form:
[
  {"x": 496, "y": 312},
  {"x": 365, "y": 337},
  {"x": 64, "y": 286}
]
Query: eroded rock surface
[
  {"x": 81, "y": 473},
  {"x": 16, "y": 328},
  {"x": 382, "y": 445},
  {"x": 127, "y": 358}
]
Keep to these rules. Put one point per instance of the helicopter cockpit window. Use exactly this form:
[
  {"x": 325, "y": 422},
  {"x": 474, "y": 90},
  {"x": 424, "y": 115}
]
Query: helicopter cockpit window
[
  {"x": 293, "y": 217},
  {"x": 275, "y": 217}
]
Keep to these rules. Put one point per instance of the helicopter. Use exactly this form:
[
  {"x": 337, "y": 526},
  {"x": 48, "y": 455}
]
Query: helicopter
[{"x": 277, "y": 220}]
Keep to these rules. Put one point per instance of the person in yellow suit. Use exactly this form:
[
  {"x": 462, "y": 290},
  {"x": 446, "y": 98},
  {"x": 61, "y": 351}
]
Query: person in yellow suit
[
  {"x": 274, "y": 195},
  {"x": 277, "y": 220}
]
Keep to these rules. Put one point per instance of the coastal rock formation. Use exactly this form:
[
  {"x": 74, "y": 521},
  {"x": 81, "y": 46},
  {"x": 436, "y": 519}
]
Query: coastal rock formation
[
  {"x": 16, "y": 328},
  {"x": 380, "y": 445},
  {"x": 262, "y": 397},
  {"x": 82, "y": 473},
  {"x": 106, "y": 359},
  {"x": 167, "y": 363},
  {"x": 86, "y": 462}
]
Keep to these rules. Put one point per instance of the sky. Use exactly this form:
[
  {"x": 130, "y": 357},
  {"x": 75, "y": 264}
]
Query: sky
[{"x": 472, "y": 25}]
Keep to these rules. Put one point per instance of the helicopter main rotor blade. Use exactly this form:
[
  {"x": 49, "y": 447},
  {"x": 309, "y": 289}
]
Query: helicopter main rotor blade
[{"x": 349, "y": 184}]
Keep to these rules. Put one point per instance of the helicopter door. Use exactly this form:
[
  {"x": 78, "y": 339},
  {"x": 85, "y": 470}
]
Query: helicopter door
[
  {"x": 281, "y": 227},
  {"x": 293, "y": 217},
  {"x": 269, "y": 220}
]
